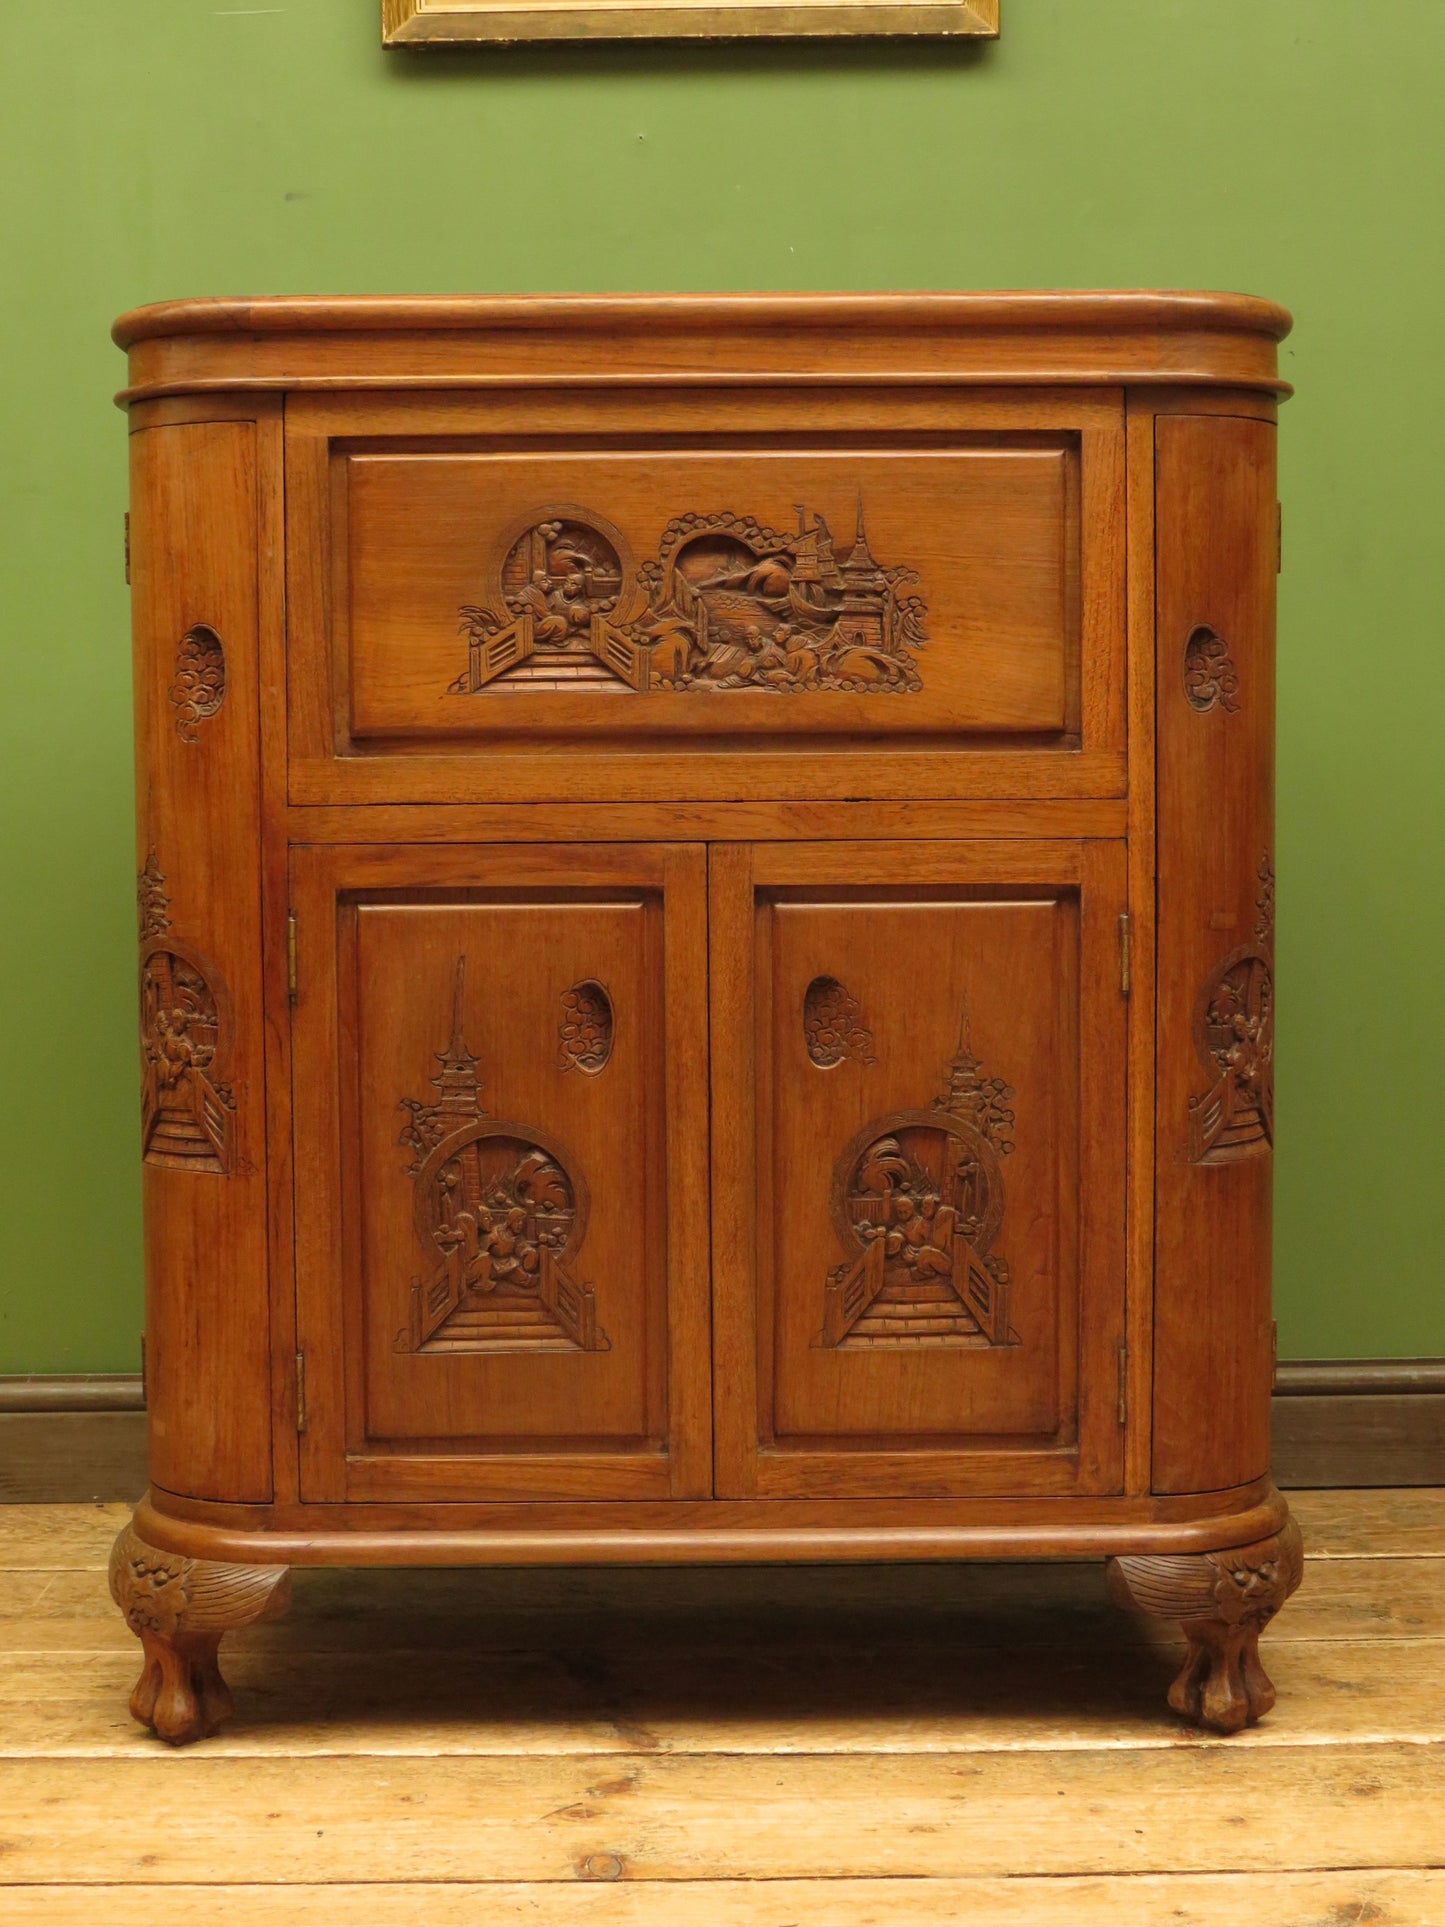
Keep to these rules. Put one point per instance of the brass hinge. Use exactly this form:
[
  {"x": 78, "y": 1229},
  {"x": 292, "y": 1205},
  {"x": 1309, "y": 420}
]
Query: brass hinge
[
  {"x": 1278, "y": 538},
  {"x": 291, "y": 956},
  {"x": 143, "y": 1368},
  {"x": 1123, "y": 1384},
  {"x": 300, "y": 1392},
  {"x": 1124, "y": 955},
  {"x": 127, "y": 550}
]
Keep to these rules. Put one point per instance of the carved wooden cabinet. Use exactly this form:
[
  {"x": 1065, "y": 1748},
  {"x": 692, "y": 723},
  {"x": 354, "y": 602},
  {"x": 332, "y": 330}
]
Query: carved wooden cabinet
[{"x": 706, "y": 945}]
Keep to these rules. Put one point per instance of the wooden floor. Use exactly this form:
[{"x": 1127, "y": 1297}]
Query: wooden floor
[{"x": 825, "y": 1748}]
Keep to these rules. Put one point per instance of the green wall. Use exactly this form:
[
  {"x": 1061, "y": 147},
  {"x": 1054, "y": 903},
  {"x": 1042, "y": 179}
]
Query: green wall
[{"x": 173, "y": 147}]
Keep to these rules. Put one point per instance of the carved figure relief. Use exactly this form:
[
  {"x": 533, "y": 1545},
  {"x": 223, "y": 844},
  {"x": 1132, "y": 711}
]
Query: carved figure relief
[
  {"x": 833, "y": 1029},
  {"x": 584, "y": 1035},
  {"x": 199, "y": 686},
  {"x": 917, "y": 1203},
  {"x": 1209, "y": 673},
  {"x": 188, "y": 1114},
  {"x": 1234, "y": 1035},
  {"x": 728, "y": 603},
  {"x": 501, "y": 1211}
]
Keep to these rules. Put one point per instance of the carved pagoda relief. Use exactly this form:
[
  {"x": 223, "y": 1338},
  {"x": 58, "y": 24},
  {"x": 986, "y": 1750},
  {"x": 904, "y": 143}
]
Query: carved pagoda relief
[
  {"x": 199, "y": 686},
  {"x": 728, "y": 603},
  {"x": 917, "y": 1202},
  {"x": 1234, "y": 1035},
  {"x": 833, "y": 1027},
  {"x": 584, "y": 1035},
  {"x": 501, "y": 1211},
  {"x": 188, "y": 1113},
  {"x": 1210, "y": 676}
]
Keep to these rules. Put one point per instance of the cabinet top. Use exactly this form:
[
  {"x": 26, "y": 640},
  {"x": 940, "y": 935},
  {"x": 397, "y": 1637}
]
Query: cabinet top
[{"x": 475, "y": 340}]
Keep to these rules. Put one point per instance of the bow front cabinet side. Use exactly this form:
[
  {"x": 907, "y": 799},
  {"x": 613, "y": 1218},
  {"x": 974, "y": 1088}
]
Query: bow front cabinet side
[{"x": 706, "y": 928}]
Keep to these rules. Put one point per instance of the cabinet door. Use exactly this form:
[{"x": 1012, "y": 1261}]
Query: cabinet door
[
  {"x": 918, "y": 1168},
  {"x": 501, "y": 1231}
]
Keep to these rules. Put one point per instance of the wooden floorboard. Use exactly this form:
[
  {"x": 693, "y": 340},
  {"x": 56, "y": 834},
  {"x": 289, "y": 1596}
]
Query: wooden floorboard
[
  {"x": 1354, "y": 1898},
  {"x": 826, "y": 1747}
]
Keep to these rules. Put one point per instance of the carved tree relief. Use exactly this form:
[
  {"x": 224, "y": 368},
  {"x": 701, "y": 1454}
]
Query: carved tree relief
[
  {"x": 199, "y": 685},
  {"x": 917, "y": 1202},
  {"x": 1210, "y": 676},
  {"x": 728, "y": 603},
  {"x": 188, "y": 1119},
  {"x": 1234, "y": 1035},
  {"x": 833, "y": 1029},
  {"x": 501, "y": 1211},
  {"x": 584, "y": 1035}
]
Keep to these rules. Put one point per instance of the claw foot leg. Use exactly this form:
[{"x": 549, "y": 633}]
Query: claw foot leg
[
  {"x": 179, "y": 1609},
  {"x": 1223, "y": 1601}
]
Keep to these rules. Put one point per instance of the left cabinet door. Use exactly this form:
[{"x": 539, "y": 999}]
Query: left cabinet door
[{"x": 500, "y": 1114}]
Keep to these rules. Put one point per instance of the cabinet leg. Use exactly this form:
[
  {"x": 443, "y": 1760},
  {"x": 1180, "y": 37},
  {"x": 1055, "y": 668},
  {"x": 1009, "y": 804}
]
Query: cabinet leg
[
  {"x": 179, "y": 1609},
  {"x": 1223, "y": 1600}
]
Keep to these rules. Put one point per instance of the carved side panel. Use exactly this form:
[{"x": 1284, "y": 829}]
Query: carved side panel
[
  {"x": 196, "y": 488},
  {"x": 917, "y": 1202},
  {"x": 727, "y": 603},
  {"x": 501, "y": 1210},
  {"x": 1215, "y": 520},
  {"x": 199, "y": 686}
]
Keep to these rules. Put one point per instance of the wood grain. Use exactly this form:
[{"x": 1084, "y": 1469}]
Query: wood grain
[
  {"x": 753, "y": 1748},
  {"x": 823, "y": 1817},
  {"x": 1388, "y": 1898},
  {"x": 1216, "y": 503},
  {"x": 193, "y": 546}
]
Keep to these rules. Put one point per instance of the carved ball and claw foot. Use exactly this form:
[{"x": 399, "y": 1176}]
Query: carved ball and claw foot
[
  {"x": 179, "y": 1609},
  {"x": 1224, "y": 1600}
]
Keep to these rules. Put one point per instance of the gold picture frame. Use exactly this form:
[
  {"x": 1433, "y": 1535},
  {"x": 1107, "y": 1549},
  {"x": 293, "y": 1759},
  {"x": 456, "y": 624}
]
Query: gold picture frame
[{"x": 451, "y": 23}]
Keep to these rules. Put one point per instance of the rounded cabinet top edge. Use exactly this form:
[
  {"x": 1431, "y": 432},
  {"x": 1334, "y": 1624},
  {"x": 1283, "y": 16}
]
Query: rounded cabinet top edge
[{"x": 1103, "y": 310}]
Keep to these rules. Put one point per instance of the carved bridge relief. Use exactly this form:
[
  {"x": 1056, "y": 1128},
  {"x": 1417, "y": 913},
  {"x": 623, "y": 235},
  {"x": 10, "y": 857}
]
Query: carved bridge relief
[
  {"x": 1234, "y": 1035},
  {"x": 917, "y": 1202},
  {"x": 188, "y": 1115},
  {"x": 728, "y": 603},
  {"x": 501, "y": 1211}
]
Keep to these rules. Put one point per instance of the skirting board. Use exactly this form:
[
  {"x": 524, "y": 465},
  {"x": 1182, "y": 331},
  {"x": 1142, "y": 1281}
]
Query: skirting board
[{"x": 1367, "y": 1422}]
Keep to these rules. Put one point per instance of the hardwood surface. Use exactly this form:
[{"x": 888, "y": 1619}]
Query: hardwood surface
[
  {"x": 751, "y": 1748},
  {"x": 218, "y": 347},
  {"x": 194, "y": 575},
  {"x": 1214, "y": 1118},
  {"x": 867, "y": 620}
]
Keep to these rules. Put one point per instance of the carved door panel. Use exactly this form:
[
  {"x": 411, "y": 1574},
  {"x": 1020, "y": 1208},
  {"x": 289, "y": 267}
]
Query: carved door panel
[
  {"x": 918, "y": 1167},
  {"x": 501, "y": 1237}
]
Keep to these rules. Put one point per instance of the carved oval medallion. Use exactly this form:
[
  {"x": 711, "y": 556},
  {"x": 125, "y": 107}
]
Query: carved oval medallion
[
  {"x": 1210, "y": 676},
  {"x": 833, "y": 1029},
  {"x": 584, "y": 1036},
  {"x": 199, "y": 686}
]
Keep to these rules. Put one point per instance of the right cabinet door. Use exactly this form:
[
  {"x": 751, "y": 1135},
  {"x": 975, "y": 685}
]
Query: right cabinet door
[{"x": 918, "y": 1059}]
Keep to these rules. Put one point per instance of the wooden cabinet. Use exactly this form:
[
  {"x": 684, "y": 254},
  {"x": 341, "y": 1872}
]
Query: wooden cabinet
[{"x": 706, "y": 972}]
